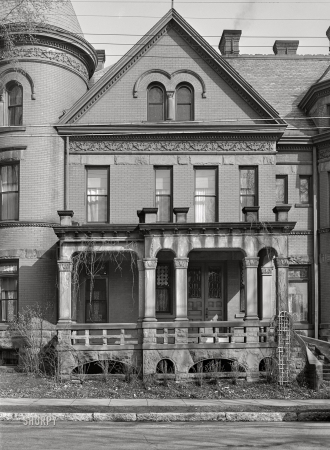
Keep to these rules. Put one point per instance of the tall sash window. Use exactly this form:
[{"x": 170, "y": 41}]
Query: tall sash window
[{"x": 205, "y": 195}]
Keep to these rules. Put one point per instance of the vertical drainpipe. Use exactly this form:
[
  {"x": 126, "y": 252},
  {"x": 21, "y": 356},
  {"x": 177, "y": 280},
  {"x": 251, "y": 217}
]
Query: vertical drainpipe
[
  {"x": 66, "y": 175},
  {"x": 315, "y": 244}
]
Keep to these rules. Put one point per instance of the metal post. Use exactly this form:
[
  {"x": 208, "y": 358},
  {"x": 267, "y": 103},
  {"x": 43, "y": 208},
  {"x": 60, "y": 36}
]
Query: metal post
[
  {"x": 66, "y": 174},
  {"x": 316, "y": 250}
]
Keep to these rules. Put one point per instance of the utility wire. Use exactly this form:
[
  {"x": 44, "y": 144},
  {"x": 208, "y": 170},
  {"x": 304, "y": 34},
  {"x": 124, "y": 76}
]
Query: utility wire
[{"x": 121, "y": 16}]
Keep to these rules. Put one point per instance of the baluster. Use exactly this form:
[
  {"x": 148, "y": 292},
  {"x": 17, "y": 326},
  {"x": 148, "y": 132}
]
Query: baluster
[
  {"x": 122, "y": 337},
  {"x": 105, "y": 340},
  {"x": 73, "y": 337},
  {"x": 86, "y": 337},
  {"x": 165, "y": 335}
]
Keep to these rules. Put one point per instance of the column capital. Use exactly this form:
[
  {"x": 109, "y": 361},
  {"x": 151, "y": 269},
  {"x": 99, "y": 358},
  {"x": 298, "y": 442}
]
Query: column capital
[
  {"x": 170, "y": 94},
  {"x": 265, "y": 271},
  {"x": 282, "y": 263},
  {"x": 150, "y": 263},
  {"x": 64, "y": 266},
  {"x": 140, "y": 264},
  {"x": 251, "y": 262},
  {"x": 181, "y": 263}
]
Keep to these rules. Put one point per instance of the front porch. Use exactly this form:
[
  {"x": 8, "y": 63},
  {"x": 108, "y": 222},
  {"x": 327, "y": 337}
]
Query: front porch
[{"x": 203, "y": 291}]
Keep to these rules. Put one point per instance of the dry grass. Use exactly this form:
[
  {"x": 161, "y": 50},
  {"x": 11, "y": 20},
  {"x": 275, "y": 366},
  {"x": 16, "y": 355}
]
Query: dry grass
[{"x": 17, "y": 385}]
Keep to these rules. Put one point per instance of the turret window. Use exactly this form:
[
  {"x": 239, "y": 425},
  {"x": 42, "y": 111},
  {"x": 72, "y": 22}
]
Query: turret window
[{"x": 15, "y": 104}]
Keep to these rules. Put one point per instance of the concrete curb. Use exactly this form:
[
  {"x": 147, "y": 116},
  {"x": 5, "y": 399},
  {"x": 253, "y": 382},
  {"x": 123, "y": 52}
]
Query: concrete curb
[{"x": 42, "y": 419}]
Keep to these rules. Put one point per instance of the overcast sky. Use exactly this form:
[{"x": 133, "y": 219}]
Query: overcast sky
[{"x": 296, "y": 20}]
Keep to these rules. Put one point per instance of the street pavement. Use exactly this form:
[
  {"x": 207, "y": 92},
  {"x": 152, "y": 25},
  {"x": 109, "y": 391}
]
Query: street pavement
[{"x": 168, "y": 436}]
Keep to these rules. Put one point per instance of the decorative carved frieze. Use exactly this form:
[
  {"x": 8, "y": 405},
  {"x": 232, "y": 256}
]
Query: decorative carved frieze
[
  {"x": 115, "y": 146},
  {"x": 250, "y": 262},
  {"x": 300, "y": 259},
  {"x": 47, "y": 55},
  {"x": 150, "y": 264},
  {"x": 64, "y": 266},
  {"x": 324, "y": 153},
  {"x": 282, "y": 263},
  {"x": 266, "y": 271},
  {"x": 181, "y": 263}
]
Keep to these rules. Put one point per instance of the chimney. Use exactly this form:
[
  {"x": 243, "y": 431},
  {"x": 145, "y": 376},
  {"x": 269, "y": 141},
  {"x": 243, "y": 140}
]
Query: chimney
[
  {"x": 101, "y": 59},
  {"x": 285, "y": 47},
  {"x": 229, "y": 42}
]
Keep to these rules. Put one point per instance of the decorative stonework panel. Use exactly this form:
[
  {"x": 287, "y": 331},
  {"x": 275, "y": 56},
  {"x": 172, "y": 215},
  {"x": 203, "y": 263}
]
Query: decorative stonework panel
[
  {"x": 48, "y": 55},
  {"x": 251, "y": 262},
  {"x": 150, "y": 263},
  {"x": 282, "y": 262},
  {"x": 81, "y": 146},
  {"x": 300, "y": 259},
  {"x": 266, "y": 271},
  {"x": 64, "y": 266},
  {"x": 181, "y": 263}
]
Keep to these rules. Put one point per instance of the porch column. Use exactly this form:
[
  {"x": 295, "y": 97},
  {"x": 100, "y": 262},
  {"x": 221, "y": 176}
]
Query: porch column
[
  {"x": 150, "y": 265},
  {"x": 65, "y": 307},
  {"x": 251, "y": 288},
  {"x": 282, "y": 270},
  {"x": 266, "y": 274},
  {"x": 181, "y": 288},
  {"x": 140, "y": 265}
]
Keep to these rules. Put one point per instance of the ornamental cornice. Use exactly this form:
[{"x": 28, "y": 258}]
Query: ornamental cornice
[
  {"x": 36, "y": 53},
  {"x": 28, "y": 225},
  {"x": 150, "y": 264},
  {"x": 173, "y": 145},
  {"x": 294, "y": 148},
  {"x": 181, "y": 263},
  {"x": 119, "y": 75},
  {"x": 300, "y": 233}
]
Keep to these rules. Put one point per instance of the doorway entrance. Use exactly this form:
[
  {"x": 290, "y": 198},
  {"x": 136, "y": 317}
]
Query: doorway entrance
[{"x": 206, "y": 291}]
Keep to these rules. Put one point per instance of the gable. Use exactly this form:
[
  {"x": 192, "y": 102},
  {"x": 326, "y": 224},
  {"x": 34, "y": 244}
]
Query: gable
[{"x": 175, "y": 53}]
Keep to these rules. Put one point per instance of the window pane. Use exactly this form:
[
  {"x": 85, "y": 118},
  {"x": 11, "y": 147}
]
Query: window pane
[
  {"x": 163, "y": 181},
  {"x": 205, "y": 182},
  {"x": 8, "y": 288},
  {"x": 97, "y": 182},
  {"x": 96, "y": 301},
  {"x": 247, "y": 200},
  {"x": 97, "y": 208},
  {"x": 204, "y": 209},
  {"x": 184, "y": 112},
  {"x": 247, "y": 182},
  {"x": 8, "y": 310},
  {"x": 9, "y": 178},
  {"x": 298, "y": 300},
  {"x": 15, "y": 96},
  {"x": 304, "y": 189},
  {"x": 9, "y": 206},
  {"x": 8, "y": 268},
  {"x": 156, "y": 113},
  {"x": 163, "y": 203},
  {"x": 280, "y": 189},
  {"x": 156, "y": 95},
  {"x": 184, "y": 95}
]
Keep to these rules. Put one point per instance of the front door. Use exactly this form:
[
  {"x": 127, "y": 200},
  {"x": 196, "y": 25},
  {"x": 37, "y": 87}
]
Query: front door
[{"x": 206, "y": 291}]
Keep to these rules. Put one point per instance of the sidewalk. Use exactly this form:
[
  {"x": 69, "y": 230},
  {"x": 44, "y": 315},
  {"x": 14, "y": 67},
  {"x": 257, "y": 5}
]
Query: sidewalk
[{"x": 165, "y": 410}]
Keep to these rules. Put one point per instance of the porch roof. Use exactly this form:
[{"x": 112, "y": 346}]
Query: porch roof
[{"x": 137, "y": 231}]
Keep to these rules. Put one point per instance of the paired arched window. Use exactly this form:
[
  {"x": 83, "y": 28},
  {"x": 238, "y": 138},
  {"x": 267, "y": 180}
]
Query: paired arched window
[
  {"x": 156, "y": 103},
  {"x": 184, "y": 103},
  {"x": 15, "y": 103},
  {"x": 162, "y": 108}
]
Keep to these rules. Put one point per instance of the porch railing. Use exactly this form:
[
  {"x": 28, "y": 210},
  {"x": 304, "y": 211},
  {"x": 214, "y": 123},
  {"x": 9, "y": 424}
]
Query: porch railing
[{"x": 166, "y": 334}]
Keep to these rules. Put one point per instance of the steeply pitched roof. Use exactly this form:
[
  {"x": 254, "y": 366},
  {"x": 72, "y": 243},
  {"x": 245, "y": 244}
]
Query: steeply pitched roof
[
  {"x": 283, "y": 82},
  {"x": 62, "y": 16},
  {"x": 219, "y": 64}
]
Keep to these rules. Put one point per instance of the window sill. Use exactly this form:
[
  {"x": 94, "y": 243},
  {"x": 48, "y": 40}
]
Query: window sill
[
  {"x": 11, "y": 129},
  {"x": 303, "y": 205}
]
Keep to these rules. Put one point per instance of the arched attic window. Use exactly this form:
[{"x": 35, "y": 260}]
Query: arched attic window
[
  {"x": 15, "y": 103},
  {"x": 156, "y": 103},
  {"x": 184, "y": 102}
]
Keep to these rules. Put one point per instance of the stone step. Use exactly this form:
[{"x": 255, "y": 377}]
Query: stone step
[{"x": 320, "y": 357}]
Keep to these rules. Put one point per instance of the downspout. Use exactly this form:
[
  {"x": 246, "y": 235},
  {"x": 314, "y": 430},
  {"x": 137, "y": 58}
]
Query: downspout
[
  {"x": 66, "y": 174},
  {"x": 315, "y": 244}
]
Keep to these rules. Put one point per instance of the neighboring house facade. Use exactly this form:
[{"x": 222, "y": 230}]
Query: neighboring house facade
[{"x": 192, "y": 189}]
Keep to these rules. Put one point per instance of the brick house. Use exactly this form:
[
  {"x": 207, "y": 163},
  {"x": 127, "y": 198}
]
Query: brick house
[{"x": 168, "y": 206}]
